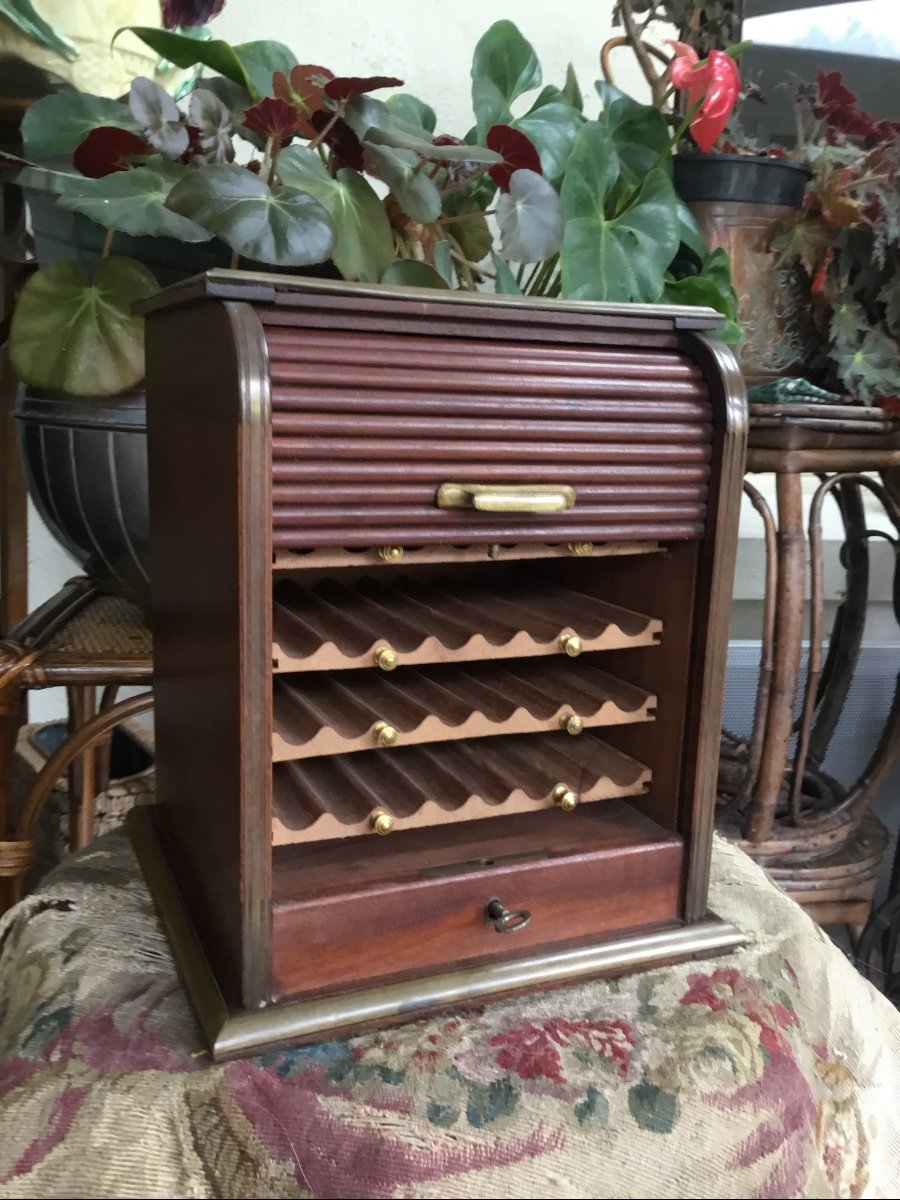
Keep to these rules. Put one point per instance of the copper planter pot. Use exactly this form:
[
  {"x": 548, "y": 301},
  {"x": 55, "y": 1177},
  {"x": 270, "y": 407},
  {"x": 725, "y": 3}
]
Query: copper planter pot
[{"x": 742, "y": 204}]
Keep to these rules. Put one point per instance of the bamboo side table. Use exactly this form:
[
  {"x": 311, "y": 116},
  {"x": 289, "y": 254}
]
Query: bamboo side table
[
  {"x": 81, "y": 640},
  {"x": 818, "y": 839}
]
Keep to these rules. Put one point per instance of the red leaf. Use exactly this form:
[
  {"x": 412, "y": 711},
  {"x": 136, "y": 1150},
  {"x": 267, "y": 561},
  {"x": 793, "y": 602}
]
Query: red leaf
[
  {"x": 305, "y": 89},
  {"x": 340, "y": 139},
  {"x": 271, "y": 117},
  {"x": 831, "y": 93},
  {"x": 519, "y": 154},
  {"x": 346, "y": 87},
  {"x": 107, "y": 149}
]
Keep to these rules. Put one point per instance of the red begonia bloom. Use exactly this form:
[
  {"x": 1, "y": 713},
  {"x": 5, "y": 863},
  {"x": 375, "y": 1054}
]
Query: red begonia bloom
[{"x": 713, "y": 83}]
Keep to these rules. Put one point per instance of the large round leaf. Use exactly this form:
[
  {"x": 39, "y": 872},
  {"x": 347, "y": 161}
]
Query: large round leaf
[
  {"x": 471, "y": 232},
  {"x": 134, "y": 202},
  {"x": 592, "y": 171},
  {"x": 364, "y": 243},
  {"x": 279, "y": 225},
  {"x": 78, "y": 336},
  {"x": 413, "y": 111},
  {"x": 58, "y": 124},
  {"x": 529, "y": 218}
]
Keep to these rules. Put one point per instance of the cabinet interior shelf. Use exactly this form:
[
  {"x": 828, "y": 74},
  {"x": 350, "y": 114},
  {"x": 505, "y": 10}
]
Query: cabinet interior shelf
[
  {"x": 336, "y": 796},
  {"x": 333, "y": 712},
  {"x": 331, "y": 624}
]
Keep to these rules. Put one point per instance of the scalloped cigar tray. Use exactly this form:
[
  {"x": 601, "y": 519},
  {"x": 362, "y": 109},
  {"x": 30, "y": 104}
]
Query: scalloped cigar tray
[{"x": 441, "y": 587}]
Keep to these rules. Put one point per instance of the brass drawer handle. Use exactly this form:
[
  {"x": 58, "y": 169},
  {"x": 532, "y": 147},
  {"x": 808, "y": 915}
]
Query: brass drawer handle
[
  {"x": 506, "y": 498},
  {"x": 504, "y": 921}
]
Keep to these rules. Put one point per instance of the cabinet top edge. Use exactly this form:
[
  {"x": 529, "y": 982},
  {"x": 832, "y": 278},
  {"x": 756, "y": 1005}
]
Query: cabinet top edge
[{"x": 291, "y": 291}]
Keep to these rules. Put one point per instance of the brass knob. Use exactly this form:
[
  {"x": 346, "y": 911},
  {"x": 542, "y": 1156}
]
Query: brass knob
[
  {"x": 494, "y": 550},
  {"x": 571, "y": 644},
  {"x": 382, "y": 822},
  {"x": 580, "y": 548},
  {"x": 386, "y": 658},
  {"x": 571, "y": 724},
  {"x": 385, "y": 735},
  {"x": 565, "y": 797},
  {"x": 390, "y": 554}
]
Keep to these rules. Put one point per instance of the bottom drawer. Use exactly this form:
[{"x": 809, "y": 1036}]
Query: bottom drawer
[{"x": 350, "y": 913}]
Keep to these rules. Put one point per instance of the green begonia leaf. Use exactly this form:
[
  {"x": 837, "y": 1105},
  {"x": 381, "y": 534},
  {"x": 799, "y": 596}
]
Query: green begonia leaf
[
  {"x": 414, "y": 191},
  {"x": 413, "y": 111},
  {"x": 58, "y": 124},
  {"x": 364, "y": 243},
  {"x": 133, "y": 202},
  {"x": 410, "y": 272},
  {"x": 279, "y": 225},
  {"x": 75, "y": 335}
]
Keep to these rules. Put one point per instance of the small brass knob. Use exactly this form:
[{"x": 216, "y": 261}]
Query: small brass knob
[
  {"x": 580, "y": 548},
  {"x": 385, "y": 735},
  {"x": 390, "y": 554},
  {"x": 386, "y": 658},
  {"x": 572, "y": 724},
  {"x": 571, "y": 644},
  {"x": 494, "y": 550},
  {"x": 565, "y": 797},
  {"x": 382, "y": 822}
]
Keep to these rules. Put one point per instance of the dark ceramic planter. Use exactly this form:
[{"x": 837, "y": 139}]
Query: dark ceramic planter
[
  {"x": 86, "y": 466},
  {"x": 742, "y": 204}
]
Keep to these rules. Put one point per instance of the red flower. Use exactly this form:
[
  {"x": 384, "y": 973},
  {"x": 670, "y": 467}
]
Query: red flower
[
  {"x": 180, "y": 13},
  {"x": 305, "y": 89},
  {"x": 273, "y": 118},
  {"x": 108, "y": 149},
  {"x": 518, "y": 154},
  {"x": 712, "y": 85}
]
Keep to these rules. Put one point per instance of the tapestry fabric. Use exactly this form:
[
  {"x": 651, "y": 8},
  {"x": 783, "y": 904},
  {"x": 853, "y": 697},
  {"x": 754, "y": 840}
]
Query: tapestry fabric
[{"x": 770, "y": 1072}]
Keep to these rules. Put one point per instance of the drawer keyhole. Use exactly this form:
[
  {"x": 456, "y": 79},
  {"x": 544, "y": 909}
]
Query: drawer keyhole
[{"x": 502, "y": 919}]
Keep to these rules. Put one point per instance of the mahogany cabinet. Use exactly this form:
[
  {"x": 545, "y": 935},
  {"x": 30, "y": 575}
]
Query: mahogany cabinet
[{"x": 441, "y": 587}]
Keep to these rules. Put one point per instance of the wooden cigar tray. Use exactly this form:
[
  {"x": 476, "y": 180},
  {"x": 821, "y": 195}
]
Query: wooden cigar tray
[{"x": 441, "y": 587}]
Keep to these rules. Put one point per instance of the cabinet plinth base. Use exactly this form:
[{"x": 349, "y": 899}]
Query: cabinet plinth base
[{"x": 234, "y": 1033}]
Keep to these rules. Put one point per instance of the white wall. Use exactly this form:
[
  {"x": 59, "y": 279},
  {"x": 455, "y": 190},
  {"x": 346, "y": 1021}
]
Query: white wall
[{"x": 429, "y": 45}]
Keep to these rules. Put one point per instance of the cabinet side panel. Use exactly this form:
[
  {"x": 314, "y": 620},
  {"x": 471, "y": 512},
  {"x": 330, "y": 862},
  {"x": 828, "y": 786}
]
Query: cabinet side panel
[
  {"x": 207, "y": 386},
  {"x": 712, "y": 612}
]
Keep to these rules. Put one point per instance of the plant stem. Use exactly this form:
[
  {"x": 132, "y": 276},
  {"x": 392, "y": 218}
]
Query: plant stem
[
  {"x": 107, "y": 242},
  {"x": 547, "y": 268},
  {"x": 655, "y": 80},
  {"x": 326, "y": 129},
  {"x": 520, "y": 274},
  {"x": 488, "y": 212},
  {"x": 465, "y": 262},
  {"x": 454, "y": 187},
  {"x": 235, "y": 259}
]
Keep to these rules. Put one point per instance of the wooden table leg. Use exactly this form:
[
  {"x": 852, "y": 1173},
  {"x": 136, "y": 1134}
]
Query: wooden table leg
[
  {"x": 789, "y": 613},
  {"x": 83, "y": 771}
]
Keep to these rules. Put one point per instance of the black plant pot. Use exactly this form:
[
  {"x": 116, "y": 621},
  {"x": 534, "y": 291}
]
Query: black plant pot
[
  {"x": 86, "y": 466},
  {"x": 740, "y": 179},
  {"x": 742, "y": 204}
]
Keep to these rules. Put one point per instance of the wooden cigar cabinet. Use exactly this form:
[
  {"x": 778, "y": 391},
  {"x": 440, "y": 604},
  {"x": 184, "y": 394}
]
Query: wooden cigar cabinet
[{"x": 441, "y": 587}]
